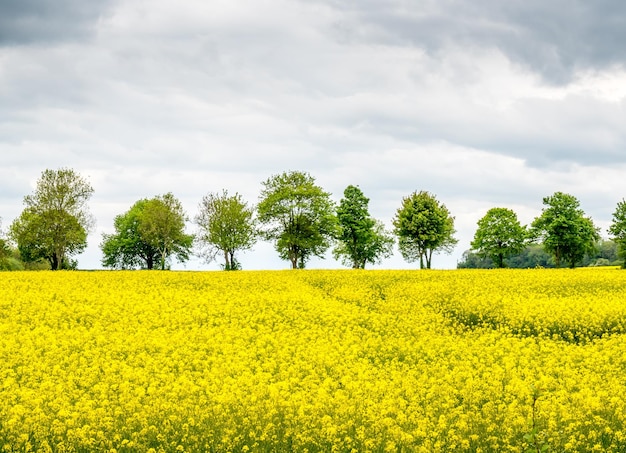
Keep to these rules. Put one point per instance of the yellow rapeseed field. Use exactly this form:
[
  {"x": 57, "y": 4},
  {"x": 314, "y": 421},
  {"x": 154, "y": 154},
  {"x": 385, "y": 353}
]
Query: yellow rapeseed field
[{"x": 338, "y": 361}]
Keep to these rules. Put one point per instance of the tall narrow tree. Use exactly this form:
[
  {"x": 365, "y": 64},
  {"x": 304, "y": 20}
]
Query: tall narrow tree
[
  {"x": 226, "y": 226},
  {"x": 362, "y": 239}
]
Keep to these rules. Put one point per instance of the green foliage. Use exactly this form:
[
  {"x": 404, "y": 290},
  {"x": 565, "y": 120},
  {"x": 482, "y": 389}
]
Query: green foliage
[
  {"x": 362, "y": 239},
  {"x": 149, "y": 234},
  {"x": 162, "y": 226},
  {"x": 618, "y": 230},
  {"x": 532, "y": 256},
  {"x": 423, "y": 226},
  {"x": 226, "y": 226},
  {"x": 471, "y": 260},
  {"x": 564, "y": 230},
  {"x": 7, "y": 262},
  {"x": 55, "y": 223},
  {"x": 126, "y": 249},
  {"x": 499, "y": 235},
  {"x": 604, "y": 254},
  {"x": 298, "y": 215}
]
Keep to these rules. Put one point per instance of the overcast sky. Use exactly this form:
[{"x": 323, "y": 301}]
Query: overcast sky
[{"x": 484, "y": 103}]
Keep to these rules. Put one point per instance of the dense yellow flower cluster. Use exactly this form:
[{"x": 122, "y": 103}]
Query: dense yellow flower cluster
[{"x": 343, "y": 361}]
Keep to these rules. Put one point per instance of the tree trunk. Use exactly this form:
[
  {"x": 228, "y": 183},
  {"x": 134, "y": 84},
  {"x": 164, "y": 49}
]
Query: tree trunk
[
  {"x": 57, "y": 260},
  {"x": 429, "y": 257},
  {"x": 226, "y": 261},
  {"x": 163, "y": 256}
]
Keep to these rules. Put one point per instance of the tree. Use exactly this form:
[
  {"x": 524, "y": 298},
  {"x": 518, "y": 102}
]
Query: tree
[
  {"x": 55, "y": 223},
  {"x": 618, "y": 230},
  {"x": 564, "y": 230},
  {"x": 362, "y": 239},
  {"x": 126, "y": 249},
  {"x": 499, "y": 235},
  {"x": 423, "y": 226},
  {"x": 150, "y": 233},
  {"x": 5, "y": 251},
  {"x": 226, "y": 226},
  {"x": 298, "y": 215}
]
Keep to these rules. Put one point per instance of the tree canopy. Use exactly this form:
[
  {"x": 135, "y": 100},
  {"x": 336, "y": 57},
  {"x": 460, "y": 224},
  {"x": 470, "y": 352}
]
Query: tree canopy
[
  {"x": 226, "y": 225},
  {"x": 564, "y": 230},
  {"x": 297, "y": 215},
  {"x": 148, "y": 235},
  {"x": 499, "y": 235},
  {"x": 423, "y": 226},
  {"x": 55, "y": 223},
  {"x": 618, "y": 230},
  {"x": 362, "y": 239},
  {"x": 126, "y": 248}
]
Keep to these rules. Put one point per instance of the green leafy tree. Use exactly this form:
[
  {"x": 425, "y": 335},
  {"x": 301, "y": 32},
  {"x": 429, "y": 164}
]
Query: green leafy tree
[
  {"x": 5, "y": 250},
  {"x": 618, "y": 230},
  {"x": 499, "y": 235},
  {"x": 226, "y": 226},
  {"x": 298, "y": 215},
  {"x": 149, "y": 234},
  {"x": 162, "y": 226},
  {"x": 55, "y": 223},
  {"x": 564, "y": 230},
  {"x": 362, "y": 239},
  {"x": 126, "y": 248},
  {"x": 423, "y": 226}
]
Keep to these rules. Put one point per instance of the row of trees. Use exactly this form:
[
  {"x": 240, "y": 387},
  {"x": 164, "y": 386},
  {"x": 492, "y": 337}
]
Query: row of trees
[
  {"x": 563, "y": 229},
  {"x": 298, "y": 216},
  {"x": 293, "y": 212}
]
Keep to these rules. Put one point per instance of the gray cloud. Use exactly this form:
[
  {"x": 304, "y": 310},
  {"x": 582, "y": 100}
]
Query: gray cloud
[
  {"x": 46, "y": 21},
  {"x": 554, "y": 38}
]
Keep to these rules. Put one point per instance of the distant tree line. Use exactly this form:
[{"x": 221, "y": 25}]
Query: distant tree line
[
  {"x": 561, "y": 235},
  {"x": 534, "y": 256},
  {"x": 302, "y": 221}
]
